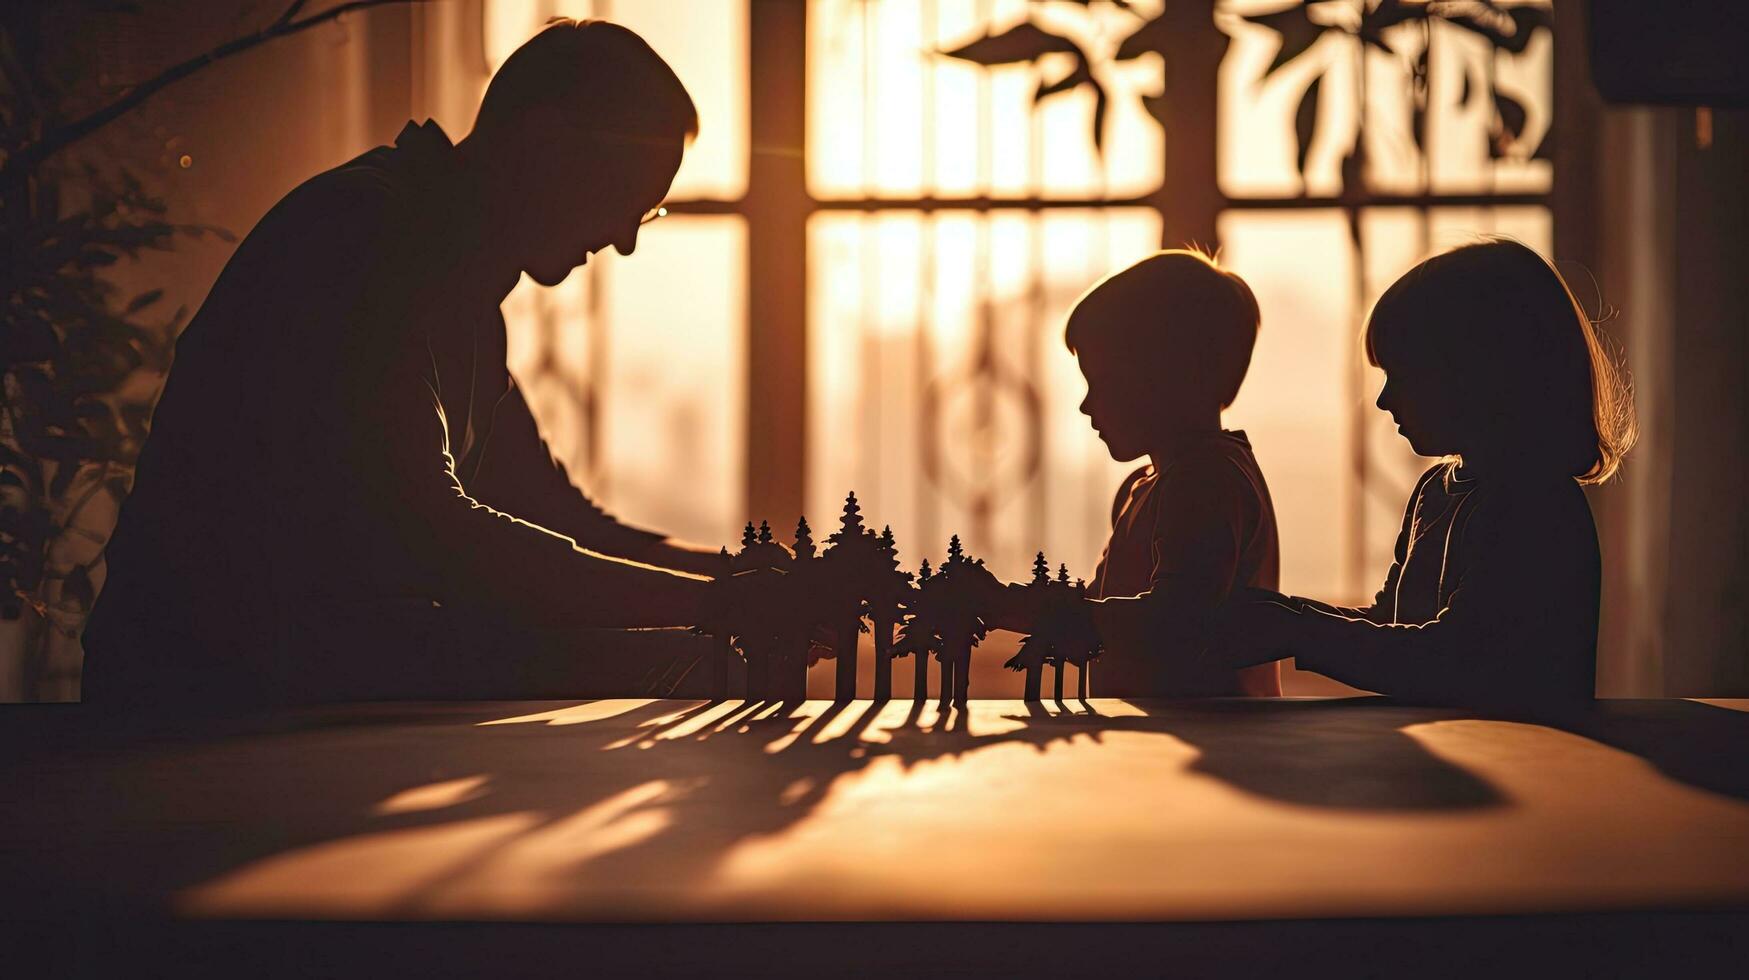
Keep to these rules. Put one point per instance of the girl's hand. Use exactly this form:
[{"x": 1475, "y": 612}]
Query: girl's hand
[{"x": 1250, "y": 631}]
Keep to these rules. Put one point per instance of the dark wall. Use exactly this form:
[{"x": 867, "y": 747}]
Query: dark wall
[{"x": 1653, "y": 201}]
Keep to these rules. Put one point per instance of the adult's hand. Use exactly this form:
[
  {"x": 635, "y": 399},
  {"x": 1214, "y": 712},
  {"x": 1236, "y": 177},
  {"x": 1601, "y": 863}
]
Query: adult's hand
[{"x": 1011, "y": 607}]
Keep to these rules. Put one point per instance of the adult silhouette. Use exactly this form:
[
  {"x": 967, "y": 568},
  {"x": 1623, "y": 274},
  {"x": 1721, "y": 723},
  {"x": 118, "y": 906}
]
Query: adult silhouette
[{"x": 341, "y": 469}]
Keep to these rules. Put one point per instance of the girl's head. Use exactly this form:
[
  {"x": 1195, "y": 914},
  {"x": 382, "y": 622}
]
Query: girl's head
[{"x": 1488, "y": 356}]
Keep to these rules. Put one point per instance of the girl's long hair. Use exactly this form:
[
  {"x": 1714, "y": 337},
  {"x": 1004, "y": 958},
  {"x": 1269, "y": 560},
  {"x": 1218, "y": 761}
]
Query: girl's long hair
[{"x": 1502, "y": 316}]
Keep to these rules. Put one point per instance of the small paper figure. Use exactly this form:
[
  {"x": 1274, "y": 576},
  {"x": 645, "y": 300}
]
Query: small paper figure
[
  {"x": 917, "y": 634},
  {"x": 886, "y": 606},
  {"x": 759, "y": 627},
  {"x": 796, "y": 620},
  {"x": 1064, "y": 633},
  {"x": 949, "y": 604},
  {"x": 855, "y": 570},
  {"x": 1036, "y": 650}
]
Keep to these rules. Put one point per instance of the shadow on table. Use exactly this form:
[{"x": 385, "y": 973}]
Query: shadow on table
[
  {"x": 666, "y": 790},
  {"x": 1703, "y": 745},
  {"x": 677, "y": 785}
]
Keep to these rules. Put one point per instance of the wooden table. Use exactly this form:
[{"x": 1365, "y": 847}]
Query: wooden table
[{"x": 1342, "y": 823}]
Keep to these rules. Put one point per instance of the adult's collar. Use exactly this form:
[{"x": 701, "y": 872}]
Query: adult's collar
[
  {"x": 425, "y": 137},
  {"x": 428, "y": 151}
]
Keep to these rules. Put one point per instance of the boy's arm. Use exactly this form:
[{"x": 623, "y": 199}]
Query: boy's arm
[
  {"x": 1197, "y": 545},
  {"x": 520, "y": 475}
]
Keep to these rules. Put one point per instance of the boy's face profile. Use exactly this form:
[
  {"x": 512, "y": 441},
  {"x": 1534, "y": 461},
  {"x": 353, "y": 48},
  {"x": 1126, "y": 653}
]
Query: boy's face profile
[
  {"x": 1163, "y": 346},
  {"x": 1124, "y": 405}
]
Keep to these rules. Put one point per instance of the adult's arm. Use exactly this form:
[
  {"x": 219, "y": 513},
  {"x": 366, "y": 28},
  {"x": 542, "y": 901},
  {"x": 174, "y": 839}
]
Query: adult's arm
[
  {"x": 519, "y": 475},
  {"x": 487, "y": 556}
]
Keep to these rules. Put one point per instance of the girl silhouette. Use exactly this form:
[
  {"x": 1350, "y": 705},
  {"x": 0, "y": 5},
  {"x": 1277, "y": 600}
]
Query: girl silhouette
[{"x": 1492, "y": 598}]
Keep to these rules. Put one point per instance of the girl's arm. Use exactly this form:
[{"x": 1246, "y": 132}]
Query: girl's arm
[
  {"x": 1384, "y": 604},
  {"x": 1521, "y": 624}
]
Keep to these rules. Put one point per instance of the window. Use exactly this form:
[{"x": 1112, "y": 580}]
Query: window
[
  {"x": 967, "y": 168},
  {"x": 658, "y": 439}
]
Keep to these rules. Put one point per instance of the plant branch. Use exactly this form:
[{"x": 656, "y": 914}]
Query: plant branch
[
  {"x": 59, "y": 138},
  {"x": 98, "y": 483},
  {"x": 290, "y": 12}
]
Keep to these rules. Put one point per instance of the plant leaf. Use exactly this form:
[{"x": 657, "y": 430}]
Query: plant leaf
[
  {"x": 1151, "y": 37},
  {"x": 28, "y": 340},
  {"x": 27, "y": 469},
  {"x": 1511, "y": 119},
  {"x": 1545, "y": 147},
  {"x": 1376, "y": 40},
  {"x": 1101, "y": 102},
  {"x": 1422, "y": 92},
  {"x": 1023, "y": 42},
  {"x": 142, "y": 301},
  {"x": 1388, "y": 14},
  {"x": 1354, "y": 168},
  {"x": 199, "y": 231},
  {"x": 1508, "y": 29},
  {"x": 77, "y": 588},
  {"x": 1306, "y": 123},
  {"x": 1297, "y": 31},
  {"x": 1079, "y": 75}
]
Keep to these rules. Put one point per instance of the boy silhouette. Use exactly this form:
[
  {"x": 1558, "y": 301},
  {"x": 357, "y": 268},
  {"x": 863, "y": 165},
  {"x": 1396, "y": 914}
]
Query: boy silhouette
[
  {"x": 1164, "y": 346},
  {"x": 342, "y": 475}
]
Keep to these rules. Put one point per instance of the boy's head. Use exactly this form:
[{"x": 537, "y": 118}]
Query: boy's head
[{"x": 1164, "y": 345}]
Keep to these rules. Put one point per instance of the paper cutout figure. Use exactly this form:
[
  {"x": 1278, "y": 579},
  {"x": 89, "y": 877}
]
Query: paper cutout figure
[
  {"x": 850, "y": 563},
  {"x": 1064, "y": 634},
  {"x": 780, "y": 597},
  {"x": 760, "y": 628},
  {"x": 949, "y": 606},
  {"x": 917, "y": 635}
]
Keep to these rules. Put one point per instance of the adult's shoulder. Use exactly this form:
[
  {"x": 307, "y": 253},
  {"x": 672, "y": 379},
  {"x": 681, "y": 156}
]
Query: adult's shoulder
[
  {"x": 313, "y": 253},
  {"x": 354, "y": 202}
]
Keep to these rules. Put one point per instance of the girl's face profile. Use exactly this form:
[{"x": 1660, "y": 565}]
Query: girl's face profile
[{"x": 1424, "y": 398}]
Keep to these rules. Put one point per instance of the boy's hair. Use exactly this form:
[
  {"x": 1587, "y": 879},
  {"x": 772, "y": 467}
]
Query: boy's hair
[
  {"x": 605, "y": 75},
  {"x": 1176, "y": 303},
  {"x": 1497, "y": 310}
]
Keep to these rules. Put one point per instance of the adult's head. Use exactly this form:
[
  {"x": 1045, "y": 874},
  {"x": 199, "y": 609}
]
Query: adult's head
[
  {"x": 578, "y": 138},
  {"x": 1488, "y": 356},
  {"x": 1164, "y": 346}
]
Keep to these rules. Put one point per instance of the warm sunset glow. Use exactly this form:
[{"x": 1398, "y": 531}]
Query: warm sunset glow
[
  {"x": 433, "y": 796},
  {"x": 887, "y": 118}
]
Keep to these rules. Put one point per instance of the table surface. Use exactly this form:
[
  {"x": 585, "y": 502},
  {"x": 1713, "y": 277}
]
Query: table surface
[{"x": 630, "y": 810}]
